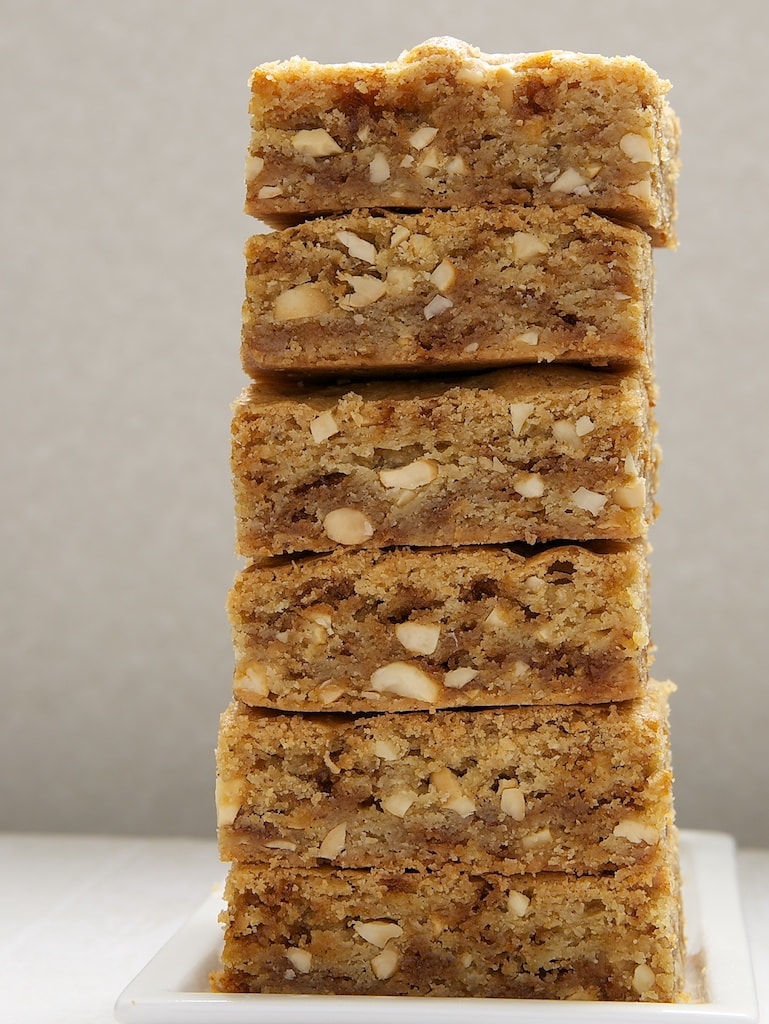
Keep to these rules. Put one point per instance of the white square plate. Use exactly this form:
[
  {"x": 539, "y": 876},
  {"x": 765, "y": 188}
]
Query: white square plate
[{"x": 173, "y": 987}]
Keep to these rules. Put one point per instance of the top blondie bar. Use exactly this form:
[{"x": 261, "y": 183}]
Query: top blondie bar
[{"x": 446, "y": 125}]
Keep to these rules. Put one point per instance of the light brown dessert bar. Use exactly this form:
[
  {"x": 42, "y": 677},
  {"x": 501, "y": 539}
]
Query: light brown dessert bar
[
  {"x": 578, "y": 788},
  {"x": 453, "y": 289},
  {"x": 455, "y": 932},
  {"x": 446, "y": 125},
  {"x": 527, "y": 454},
  {"x": 406, "y": 628}
]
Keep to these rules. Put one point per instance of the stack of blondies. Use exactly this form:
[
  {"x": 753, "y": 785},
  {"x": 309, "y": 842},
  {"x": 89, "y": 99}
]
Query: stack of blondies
[{"x": 446, "y": 770}]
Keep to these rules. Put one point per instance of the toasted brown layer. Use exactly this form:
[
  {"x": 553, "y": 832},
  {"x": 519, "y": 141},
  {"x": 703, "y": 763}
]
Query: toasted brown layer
[
  {"x": 404, "y": 628},
  {"x": 527, "y": 454},
  {"x": 579, "y": 788},
  {"x": 453, "y": 932},
  {"x": 446, "y": 125},
  {"x": 456, "y": 289}
]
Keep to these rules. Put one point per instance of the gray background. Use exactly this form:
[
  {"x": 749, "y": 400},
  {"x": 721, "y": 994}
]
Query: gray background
[{"x": 123, "y": 132}]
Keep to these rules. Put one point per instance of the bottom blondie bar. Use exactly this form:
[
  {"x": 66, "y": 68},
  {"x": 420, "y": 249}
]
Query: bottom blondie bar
[{"x": 453, "y": 932}]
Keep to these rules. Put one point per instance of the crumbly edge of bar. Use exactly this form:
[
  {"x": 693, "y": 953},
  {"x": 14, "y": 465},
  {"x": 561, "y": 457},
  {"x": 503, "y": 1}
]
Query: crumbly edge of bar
[
  {"x": 494, "y": 458},
  {"x": 576, "y": 788},
  {"x": 454, "y": 932},
  {"x": 473, "y": 626},
  {"x": 377, "y": 290},
  {"x": 612, "y": 146}
]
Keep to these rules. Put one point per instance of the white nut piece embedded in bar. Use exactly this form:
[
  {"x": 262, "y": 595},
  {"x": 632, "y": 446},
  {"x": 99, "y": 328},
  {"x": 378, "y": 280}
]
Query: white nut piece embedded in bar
[
  {"x": 365, "y": 290},
  {"x": 636, "y": 832},
  {"x": 229, "y": 797},
  {"x": 328, "y": 692},
  {"x": 512, "y": 801},
  {"x": 632, "y": 495},
  {"x": 405, "y": 680},
  {"x": 269, "y": 191},
  {"x": 456, "y": 678},
  {"x": 636, "y": 147},
  {"x": 301, "y": 959},
  {"x": 347, "y": 526},
  {"x": 281, "y": 844},
  {"x": 450, "y": 794},
  {"x": 566, "y": 432},
  {"x": 423, "y": 136},
  {"x": 444, "y": 276},
  {"x": 529, "y": 485},
  {"x": 519, "y": 413},
  {"x": 583, "y": 426},
  {"x": 378, "y": 169},
  {"x": 541, "y": 838},
  {"x": 315, "y": 142},
  {"x": 252, "y": 681},
  {"x": 517, "y": 903},
  {"x": 590, "y": 501},
  {"x": 411, "y": 476},
  {"x": 385, "y": 964},
  {"x": 357, "y": 247},
  {"x": 436, "y": 306},
  {"x": 398, "y": 803},
  {"x": 334, "y": 842},
  {"x": 254, "y": 166},
  {"x": 323, "y": 427},
  {"x": 378, "y": 933},
  {"x": 644, "y": 979},
  {"x": 526, "y": 246},
  {"x": 569, "y": 181},
  {"x": 418, "y": 637},
  {"x": 386, "y": 749},
  {"x": 302, "y": 301}
]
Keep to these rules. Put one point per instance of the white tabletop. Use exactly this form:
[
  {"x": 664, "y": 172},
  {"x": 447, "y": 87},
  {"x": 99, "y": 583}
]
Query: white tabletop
[{"x": 81, "y": 915}]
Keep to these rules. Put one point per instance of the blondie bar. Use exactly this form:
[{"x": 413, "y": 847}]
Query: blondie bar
[
  {"x": 469, "y": 288},
  {"x": 577, "y": 788},
  {"x": 526, "y": 454},
  {"x": 456, "y": 932},
  {"x": 446, "y": 125},
  {"x": 409, "y": 628}
]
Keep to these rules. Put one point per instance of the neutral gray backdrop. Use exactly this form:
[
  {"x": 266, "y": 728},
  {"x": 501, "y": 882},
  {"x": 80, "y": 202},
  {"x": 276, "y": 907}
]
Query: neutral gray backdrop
[{"x": 123, "y": 132}]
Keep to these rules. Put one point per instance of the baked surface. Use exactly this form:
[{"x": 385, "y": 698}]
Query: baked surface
[
  {"x": 474, "y": 626},
  {"x": 526, "y": 454},
  {"x": 454, "y": 932},
  {"x": 454, "y": 289},
  {"x": 446, "y": 125},
  {"x": 578, "y": 788}
]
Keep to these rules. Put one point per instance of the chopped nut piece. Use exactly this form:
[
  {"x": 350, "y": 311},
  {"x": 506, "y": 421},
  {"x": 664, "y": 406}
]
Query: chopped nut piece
[
  {"x": 636, "y": 147},
  {"x": 643, "y": 979},
  {"x": 378, "y": 169},
  {"x": 378, "y": 933},
  {"x": 529, "y": 485},
  {"x": 456, "y": 166},
  {"x": 411, "y": 476},
  {"x": 357, "y": 247},
  {"x": 437, "y": 305},
  {"x": 270, "y": 191},
  {"x": 315, "y": 142},
  {"x": 281, "y": 844},
  {"x": 641, "y": 190},
  {"x": 512, "y": 801},
  {"x": 423, "y": 136},
  {"x": 347, "y": 526},
  {"x": 366, "y": 289},
  {"x": 323, "y": 427},
  {"x": 541, "y": 838},
  {"x": 334, "y": 842},
  {"x": 253, "y": 681},
  {"x": 569, "y": 181},
  {"x": 459, "y": 677},
  {"x": 386, "y": 750},
  {"x": 302, "y": 301},
  {"x": 398, "y": 803},
  {"x": 529, "y": 337},
  {"x": 400, "y": 280},
  {"x": 385, "y": 964},
  {"x": 520, "y": 412},
  {"x": 636, "y": 832},
  {"x": 590, "y": 501},
  {"x": 418, "y": 637},
  {"x": 632, "y": 495},
  {"x": 254, "y": 167},
  {"x": 301, "y": 959},
  {"x": 517, "y": 903},
  {"x": 526, "y": 246},
  {"x": 497, "y": 617},
  {"x": 400, "y": 234},
  {"x": 405, "y": 680},
  {"x": 444, "y": 276},
  {"x": 450, "y": 794},
  {"x": 583, "y": 426},
  {"x": 228, "y": 801}
]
